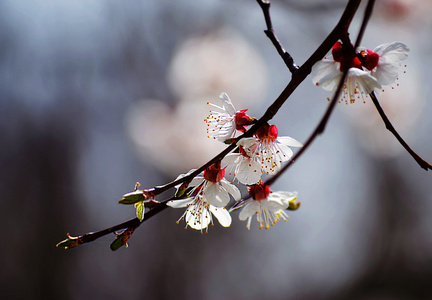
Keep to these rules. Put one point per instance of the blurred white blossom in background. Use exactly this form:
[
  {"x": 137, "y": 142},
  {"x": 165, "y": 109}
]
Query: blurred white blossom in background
[{"x": 202, "y": 67}]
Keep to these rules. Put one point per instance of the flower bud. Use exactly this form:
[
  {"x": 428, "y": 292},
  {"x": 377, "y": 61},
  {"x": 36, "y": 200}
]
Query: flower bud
[
  {"x": 259, "y": 191},
  {"x": 345, "y": 55},
  {"x": 241, "y": 120},
  {"x": 369, "y": 59},
  {"x": 70, "y": 242},
  {"x": 267, "y": 132},
  {"x": 121, "y": 239},
  {"x": 337, "y": 51},
  {"x": 214, "y": 173}
]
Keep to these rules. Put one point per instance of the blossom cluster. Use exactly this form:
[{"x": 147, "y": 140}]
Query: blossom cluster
[
  {"x": 368, "y": 71},
  {"x": 209, "y": 193}
]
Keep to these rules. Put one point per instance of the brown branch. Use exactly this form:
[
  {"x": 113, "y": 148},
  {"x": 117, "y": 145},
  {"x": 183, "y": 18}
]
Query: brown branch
[
  {"x": 366, "y": 18},
  {"x": 131, "y": 224},
  {"x": 289, "y": 61}
]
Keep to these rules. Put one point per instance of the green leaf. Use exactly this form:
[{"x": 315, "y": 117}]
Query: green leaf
[
  {"x": 181, "y": 190},
  {"x": 132, "y": 197},
  {"x": 117, "y": 243},
  {"x": 140, "y": 210},
  {"x": 121, "y": 239},
  {"x": 293, "y": 205}
]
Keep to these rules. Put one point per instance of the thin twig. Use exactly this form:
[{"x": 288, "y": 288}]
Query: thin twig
[
  {"x": 424, "y": 164},
  {"x": 337, "y": 33},
  {"x": 366, "y": 18},
  {"x": 131, "y": 224},
  {"x": 287, "y": 58}
]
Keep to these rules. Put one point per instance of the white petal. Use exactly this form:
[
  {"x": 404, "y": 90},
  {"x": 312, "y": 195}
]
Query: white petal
[
  {"x": 198, "y": 221},
  {"x": 180, "y": 203},
  {"x": 285, "y": 153},
  {"x": 282, "y": 197},
  {"x": 222, "y": 215},
  {"x": 392, "y": 52},
  {"x": 273, "y": 206},
  {"x": 363, "y": 80},
  {"x": 183, "y": 175},
  {"x": 230, "y": 159},
  {"x": 289, "y": 141},
  {"x": 248, "y": 171},
  {"x": 197, "y": 181},
  {"x": 229, "y": 107},
  {"x": 216, "y": 195},
  {"x": 326, "y": 74},
  {"x": 391, "y": 55},
  {"x": 247, "y": 142},
  {"x": 386, "y": 73},
  {"x": 226, "y": 131},
  {"x": 231, "y": 189},
  {"x": 249, "y": 210},
  {"x": 249, "y": 145}
]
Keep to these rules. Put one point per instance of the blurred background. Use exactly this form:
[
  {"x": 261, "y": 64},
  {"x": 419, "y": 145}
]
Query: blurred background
[{"x": 97, "y": 95}]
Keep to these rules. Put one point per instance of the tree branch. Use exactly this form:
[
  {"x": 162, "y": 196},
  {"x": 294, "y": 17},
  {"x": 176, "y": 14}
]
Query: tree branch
[
  {"x": 299, "y": 75},
  {"x": 131, "y": 225},
  {"x": 289, "y": 61},
  {"x": 424, "y": 164}
]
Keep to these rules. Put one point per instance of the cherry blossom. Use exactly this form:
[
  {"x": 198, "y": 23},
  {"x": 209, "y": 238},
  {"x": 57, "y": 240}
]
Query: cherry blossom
[
  {"x": 246, "y": 164},
  {"x": 390, "y": 56},
  {"x": 327, "y": 74},
  {"x": 223, "y": 125},
  {"x": 266, "y": 205},
  {"x": 368, "y": 70},
  {"x": 263, "y": 153},
  {"x": 271, "y": 150},
  {"x": 209, "y": 195},
  {"x": 198, "y": 214}
]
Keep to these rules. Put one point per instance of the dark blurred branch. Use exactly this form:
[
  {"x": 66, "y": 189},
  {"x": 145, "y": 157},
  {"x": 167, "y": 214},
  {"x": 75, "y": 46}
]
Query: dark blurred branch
[
  {"x": 424, "y": 164},
  {"x": 313, "y": 6}
]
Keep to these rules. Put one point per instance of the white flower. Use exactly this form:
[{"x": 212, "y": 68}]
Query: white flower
[
  {"x": 270, "y": 149},
  {"x": 246, "y": 163},
  {"x": 368, "y": 70},
  {"x": 210, "y": 193},
  {"x": 358, "y": 83},
  {"x": 268, "y": 207},
  {"x": 223, "y": 125},
  {"x": 263, "y": 153},
  {"x": 198, "y": 214},
  {"x": 390, "y": 57}
]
